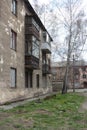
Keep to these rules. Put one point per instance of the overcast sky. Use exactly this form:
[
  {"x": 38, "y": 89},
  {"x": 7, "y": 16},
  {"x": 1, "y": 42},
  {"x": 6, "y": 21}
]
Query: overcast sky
[
  {"x": 84, "y": 54},
  {"x": 41, "y": 1},
  {"x": 47, "y": 1}
]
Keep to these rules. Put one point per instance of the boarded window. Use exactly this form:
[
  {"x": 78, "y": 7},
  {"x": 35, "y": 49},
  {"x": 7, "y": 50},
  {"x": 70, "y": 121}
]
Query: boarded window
[{"x": 13, "y": 77}]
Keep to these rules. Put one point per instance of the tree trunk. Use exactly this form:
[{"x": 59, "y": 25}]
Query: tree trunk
[{"x": 65, "y": 82}]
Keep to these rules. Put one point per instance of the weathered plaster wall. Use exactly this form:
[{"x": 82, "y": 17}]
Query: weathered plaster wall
[{"x": 10, "y": 58}]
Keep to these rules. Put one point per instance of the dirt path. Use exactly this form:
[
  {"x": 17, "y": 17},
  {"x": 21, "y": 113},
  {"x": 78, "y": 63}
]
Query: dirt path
[{"x": 83, "y": 107}]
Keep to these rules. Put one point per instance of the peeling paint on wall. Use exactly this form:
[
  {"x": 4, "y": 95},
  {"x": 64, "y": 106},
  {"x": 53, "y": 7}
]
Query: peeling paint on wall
[
  {"x": 13, "y": 56},
  {"x": 1, "y": 46},
  {"x": 23, "y": 11},
  {"x": 10, "y": 24},
  {"x": 7, "y": 31},
  {"x": 1, "y": 60},
  {"x": 18, "y": 31},
  {"x": 22, "y": 75},
  {"x": 1, "y": 69}
]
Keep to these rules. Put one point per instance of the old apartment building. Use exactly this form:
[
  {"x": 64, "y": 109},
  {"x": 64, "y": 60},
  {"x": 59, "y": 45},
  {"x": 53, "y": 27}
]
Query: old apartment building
[
  {"x": 25, "y": 52},
  {"x": 77, "y": 74}
]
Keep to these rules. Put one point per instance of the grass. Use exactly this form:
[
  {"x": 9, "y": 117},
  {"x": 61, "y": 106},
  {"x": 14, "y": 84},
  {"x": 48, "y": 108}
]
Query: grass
[{"x": 59, "y": 112}]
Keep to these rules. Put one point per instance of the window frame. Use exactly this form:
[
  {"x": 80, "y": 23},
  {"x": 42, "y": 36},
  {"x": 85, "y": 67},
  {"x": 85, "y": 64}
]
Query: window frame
[
  {"x": 35, "y": 24},
  {"x": 13, "y": 42},
  {"x": 84, "y": 76},
  {"x": 35, "y": 47},
  {"x": 38, "y": 80},
  {"x": 14, "y": 7},
  {"x": 15, "y": 79},
  {"x": 28, "y": 79},
  {"x": 84, "y": 68}
]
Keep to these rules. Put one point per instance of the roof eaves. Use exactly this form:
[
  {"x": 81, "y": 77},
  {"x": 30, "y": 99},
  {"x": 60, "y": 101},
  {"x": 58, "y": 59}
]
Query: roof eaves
[{"x": 36, "y": 17}]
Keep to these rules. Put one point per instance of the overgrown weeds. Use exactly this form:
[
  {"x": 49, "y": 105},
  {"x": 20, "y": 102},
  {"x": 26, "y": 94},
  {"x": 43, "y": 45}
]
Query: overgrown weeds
[{"x": 59, "y": 112}]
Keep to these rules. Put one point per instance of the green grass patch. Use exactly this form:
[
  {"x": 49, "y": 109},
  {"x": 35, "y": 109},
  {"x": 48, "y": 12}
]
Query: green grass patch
[{"x": 57, "y": 112}]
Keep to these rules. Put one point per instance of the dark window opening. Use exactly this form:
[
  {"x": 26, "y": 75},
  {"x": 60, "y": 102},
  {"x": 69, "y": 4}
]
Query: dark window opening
[
  {"x": 37, "y": 80},
  {"x": 84, "y": 68},
  {"x": 44, "y": 36},
  {"x": 13, "y": 40},
  {"x": 28, "y": 79},
  {"x": 84, "y": 76},
  {"x": 44, "y": 60}
]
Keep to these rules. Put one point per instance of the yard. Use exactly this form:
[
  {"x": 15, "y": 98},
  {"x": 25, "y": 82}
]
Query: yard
[{"x": 59, "y": 112}]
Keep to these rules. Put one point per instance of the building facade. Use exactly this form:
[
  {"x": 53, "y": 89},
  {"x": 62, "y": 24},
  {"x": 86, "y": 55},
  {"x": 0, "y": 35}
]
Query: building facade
[
  {"x": 77, "y": 77},
  {"x": 25, "y": 52}
]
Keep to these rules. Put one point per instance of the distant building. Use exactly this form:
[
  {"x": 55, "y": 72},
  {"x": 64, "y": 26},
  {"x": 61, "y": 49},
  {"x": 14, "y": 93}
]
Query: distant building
[
  {"x": 25, "y": 52},
  {"x": 77, "y": 74}
]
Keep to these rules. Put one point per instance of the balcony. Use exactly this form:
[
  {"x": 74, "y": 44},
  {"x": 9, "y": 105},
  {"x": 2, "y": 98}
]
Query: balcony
[
  {"x": 31, "y": 30},
  {"x": 31, "y": 62},
  {"x": 46, "y": 47},
  {"x": 31, "y": 26},
  {"x": 46, "y": 69}
]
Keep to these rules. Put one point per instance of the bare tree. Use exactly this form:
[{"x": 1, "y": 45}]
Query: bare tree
[
  {"x": 66, "y": 21},
  {"x": 76, "y": 35},
  {"x": 71, "y": 20}
]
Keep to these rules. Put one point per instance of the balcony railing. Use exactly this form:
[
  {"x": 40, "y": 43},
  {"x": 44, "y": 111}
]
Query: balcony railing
[
  {"x": 31, "y": 26},
  {"x": 46, "y": 47},
  {"x": 31, "y": 62},
  {"x": 46, "y": 69},
  {"x": 31, "y": 30}
]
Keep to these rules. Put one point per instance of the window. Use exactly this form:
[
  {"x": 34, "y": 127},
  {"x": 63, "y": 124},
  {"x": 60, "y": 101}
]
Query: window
[
  {"x": 37, "y": 79},
  {"x": 28, "y": 47},
  {"x": 44, "y": 61},
  {"x": 35, "y": 24},
  {"x": 28, "y": 79},
  {"x": 84, "y": 76},
  {"x": 13, "y": 77},
  {"x": 84, "y": 68},
  {"x": 14, "y": 7},
  {"x": 32, "y": 46},
  {"x": 35, "y": 47},
  {"x": 44, "y": 36},
  {"x": 76, "y": 76},
  {"x": 13, "y": 40}
]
